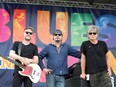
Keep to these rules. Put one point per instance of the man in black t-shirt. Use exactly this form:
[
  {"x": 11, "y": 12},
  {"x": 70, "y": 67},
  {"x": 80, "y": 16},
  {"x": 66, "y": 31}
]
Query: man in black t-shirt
[
  {"x": 28, "y": 54},
  {"x": 94, "y": 60}
]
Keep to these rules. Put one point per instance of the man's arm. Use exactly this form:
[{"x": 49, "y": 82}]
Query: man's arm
[
  {"x": 108, "y": 63},
  {"x": 83, "y": 62},
  {"x": 35, "y": 59},
  {"x": 32, "y": 61},
  {"x": 25, "y": 60},
  {"x": 74, "y": 52},
  {"x": 15, "y": 56},
  {"x": 43, "y": 54}
]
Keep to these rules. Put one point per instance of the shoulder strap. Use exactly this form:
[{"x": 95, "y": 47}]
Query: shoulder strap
[{"x": 19, "y": 48}]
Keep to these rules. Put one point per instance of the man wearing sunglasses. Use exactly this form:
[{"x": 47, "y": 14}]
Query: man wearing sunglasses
[
  {"x": 56, "y": 54},
  {"x": 28, "y": 54},
  {"x": 95, "y": 61}
]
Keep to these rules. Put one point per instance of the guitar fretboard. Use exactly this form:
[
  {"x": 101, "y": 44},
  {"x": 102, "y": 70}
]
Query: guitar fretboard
[{"x": 13, "y": 61}]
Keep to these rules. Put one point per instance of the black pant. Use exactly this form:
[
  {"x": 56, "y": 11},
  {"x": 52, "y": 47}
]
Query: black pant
[
  {"x": 85, "y": 83},
  {"x": 18, "y": 80},
  {"x": 100, "y": 79}
]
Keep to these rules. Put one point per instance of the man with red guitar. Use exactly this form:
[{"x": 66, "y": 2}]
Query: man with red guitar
[{"x": 25, "y": 53}]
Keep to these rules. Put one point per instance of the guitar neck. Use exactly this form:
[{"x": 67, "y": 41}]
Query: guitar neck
[{"x": 16, "y": 63}]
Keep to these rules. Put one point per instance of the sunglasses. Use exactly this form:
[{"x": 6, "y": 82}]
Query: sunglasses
[
  {"x": 29, "y": 33},
  {"x": 57, "y": 34},
  {"x": 94, "y": 33}
]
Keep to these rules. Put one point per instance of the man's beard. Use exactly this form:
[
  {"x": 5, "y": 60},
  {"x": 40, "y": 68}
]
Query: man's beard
[{"x": 57, "y": 41}]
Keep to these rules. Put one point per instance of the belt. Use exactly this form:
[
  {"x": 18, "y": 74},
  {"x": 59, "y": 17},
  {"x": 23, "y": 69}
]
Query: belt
[{"x": 62, "y": 75}]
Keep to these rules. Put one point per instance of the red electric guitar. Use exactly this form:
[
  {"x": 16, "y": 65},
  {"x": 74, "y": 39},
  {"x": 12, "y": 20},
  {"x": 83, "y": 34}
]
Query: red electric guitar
[{"x": 33, "y": 71}]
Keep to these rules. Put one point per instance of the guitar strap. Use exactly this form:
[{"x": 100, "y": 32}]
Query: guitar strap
[{"x": 19, "y": 48}]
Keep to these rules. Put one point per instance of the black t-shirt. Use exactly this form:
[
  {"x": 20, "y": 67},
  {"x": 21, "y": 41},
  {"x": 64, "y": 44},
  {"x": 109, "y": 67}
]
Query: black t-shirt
[
  {"x": 26, "y": 51},
  {"x": 95, "y": 56}
]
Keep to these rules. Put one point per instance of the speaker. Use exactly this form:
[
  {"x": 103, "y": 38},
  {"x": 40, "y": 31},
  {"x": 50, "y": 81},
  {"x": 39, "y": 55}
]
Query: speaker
[
  {"x": 73, "y": 78},
  {"x": 74, "y": 71},
  {"x": 73, "y": 82}
]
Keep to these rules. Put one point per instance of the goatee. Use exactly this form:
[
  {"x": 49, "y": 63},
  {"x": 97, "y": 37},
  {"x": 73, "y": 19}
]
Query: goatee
[{"x": 58, "y": 41}]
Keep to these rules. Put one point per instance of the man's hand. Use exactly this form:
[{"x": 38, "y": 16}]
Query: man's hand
[
  {"x": 83, "y": 76},
  {"x": 48, "y": 71},
  {"x": 109, "y": 72},
  {"x": 27, "y": 61}
]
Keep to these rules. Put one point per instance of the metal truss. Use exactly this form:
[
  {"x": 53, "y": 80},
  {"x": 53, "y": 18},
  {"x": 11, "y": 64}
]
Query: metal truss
[{"x": 64, "y": 4}]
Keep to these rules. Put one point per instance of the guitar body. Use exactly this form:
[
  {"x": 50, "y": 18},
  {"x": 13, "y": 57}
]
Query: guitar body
[{"x": 33, "y": 71}]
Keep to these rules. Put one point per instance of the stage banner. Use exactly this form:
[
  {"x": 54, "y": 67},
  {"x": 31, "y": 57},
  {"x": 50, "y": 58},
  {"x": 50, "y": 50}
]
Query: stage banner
[{"x": 73, "y": 22}]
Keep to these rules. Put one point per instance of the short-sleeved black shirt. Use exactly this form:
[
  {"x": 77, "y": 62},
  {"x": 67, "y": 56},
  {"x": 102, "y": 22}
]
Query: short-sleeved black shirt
[
  {"x": 95, "y": 56},
  {"x": 26, "y": 51}
]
